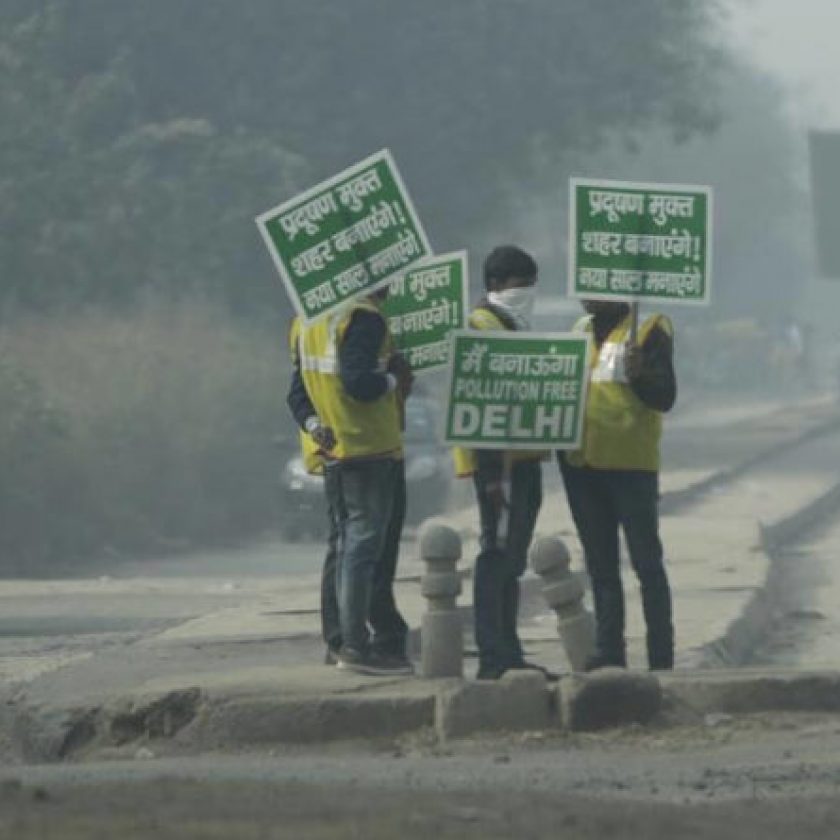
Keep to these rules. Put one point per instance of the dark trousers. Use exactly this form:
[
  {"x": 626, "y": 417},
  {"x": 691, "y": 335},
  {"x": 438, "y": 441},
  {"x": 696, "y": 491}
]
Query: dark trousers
[
  {"x": 499, "y": 565},
  {"x": 601, "y": 501},
  {"x": 388, "y": 627}
]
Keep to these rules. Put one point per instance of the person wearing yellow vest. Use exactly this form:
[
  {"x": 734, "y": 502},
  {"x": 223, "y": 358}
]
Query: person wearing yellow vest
[
  {"x": 508, "y": 484},
  {"x": 346, "y": 395},
  {"x": 612, "y": 481}
]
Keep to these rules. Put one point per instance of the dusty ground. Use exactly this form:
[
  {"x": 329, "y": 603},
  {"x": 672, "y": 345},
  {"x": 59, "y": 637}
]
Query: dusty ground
[
  {"x": 768, "y": 776},
  {"x": 185, "y": 810}
]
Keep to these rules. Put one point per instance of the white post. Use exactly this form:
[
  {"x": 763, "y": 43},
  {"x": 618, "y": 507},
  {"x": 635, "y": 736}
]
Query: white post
[
  {"x": 441, "y": 631},
  {"x": 564, "y": 594}
]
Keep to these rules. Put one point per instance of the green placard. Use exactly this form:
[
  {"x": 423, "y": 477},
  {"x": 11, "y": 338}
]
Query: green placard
[
  {"x": 424, "y": 305},
  {"x": 345, "y": 237},
  {"x": 511, "y": 390},
  {"x": 630, "y": 240}
]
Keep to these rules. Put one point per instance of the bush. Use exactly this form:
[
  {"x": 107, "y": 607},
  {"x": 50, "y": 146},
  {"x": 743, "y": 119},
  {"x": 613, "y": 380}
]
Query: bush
[{"x": 137, "y": 431}]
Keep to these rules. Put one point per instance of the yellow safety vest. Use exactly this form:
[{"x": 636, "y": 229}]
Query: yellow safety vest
[
  {"x": 465, "y": 460},
  {"x": 362, "y": 429},
  {"x": 619, "y": 431},
  {"x": 313, "y": 460}
]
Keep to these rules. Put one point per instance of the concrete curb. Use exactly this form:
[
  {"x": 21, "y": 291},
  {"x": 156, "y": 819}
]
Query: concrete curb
[
  {"x": 735, "y": 647},
  {"x": 732, "y": 692},
  {"x": 518, "y": 702},
  {"x": 195, "y": 720},
  {"x": 261, "y": 720},
  {"x": 780, "y": 534},
  {"x": 609, "y": 697}
]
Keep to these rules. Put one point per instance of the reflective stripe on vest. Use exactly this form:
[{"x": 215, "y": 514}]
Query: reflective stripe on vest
[
  {"x": 620, "y": 432},
  {"x": 313, "y": 460}
]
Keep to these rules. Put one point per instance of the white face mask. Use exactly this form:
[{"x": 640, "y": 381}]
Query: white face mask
[{"x": 519, "y": 301}]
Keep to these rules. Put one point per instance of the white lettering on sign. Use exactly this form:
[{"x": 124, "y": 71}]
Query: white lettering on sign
[
  {"x": 517, "y": 429},
  {"x": 309, "y": 216},
  {"x": 494, "y": 423},
  {"x": 556, "y": 391},
  {"x": 615, "y": 204},
  {"x": 548, "y": 422},
  {"x": 664, "y": 207},
  {"x": 502, "y": 421},
  {"x": 465, "y": 419},
  {"x": 503, "y": 389}
]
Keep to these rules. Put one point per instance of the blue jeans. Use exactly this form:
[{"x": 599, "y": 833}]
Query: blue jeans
[
  {"x": 369, "y": 507},
  {"x": 330, "y": 621},
  {"x": 500, "y": 564},
  {"x": 601, "y": 502}
]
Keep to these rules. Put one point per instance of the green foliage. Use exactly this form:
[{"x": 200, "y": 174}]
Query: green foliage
[
  {"x": 136, "y": 433},
  {"x": 138, "y": 140},
  {"x": 37, "y": 470}
]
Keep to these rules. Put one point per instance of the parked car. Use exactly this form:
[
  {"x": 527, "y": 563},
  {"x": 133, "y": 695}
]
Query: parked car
[{"x": 428, "y": 474}]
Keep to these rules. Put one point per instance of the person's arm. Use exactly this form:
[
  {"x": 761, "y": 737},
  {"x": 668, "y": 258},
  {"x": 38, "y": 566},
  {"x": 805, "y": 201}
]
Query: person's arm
[
  {"x": 298, "y": 398},
  {"x": 654, "y": 381},
  {"x": 304, "y": 411},
  {"x": 358, "y": 358}
]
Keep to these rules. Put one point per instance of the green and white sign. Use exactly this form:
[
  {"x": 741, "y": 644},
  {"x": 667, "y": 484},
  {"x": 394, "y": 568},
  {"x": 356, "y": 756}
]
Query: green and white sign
[
  {"x": 424, "y": 305},
  {"x": 511, "y": 390},
  {"x": 345, "y": 237},
  {"x": 631, "y": 240}
]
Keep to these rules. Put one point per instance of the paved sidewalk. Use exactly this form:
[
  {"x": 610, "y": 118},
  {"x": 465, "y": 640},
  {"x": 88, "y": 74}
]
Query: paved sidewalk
[{"x": 714, "y": 552}]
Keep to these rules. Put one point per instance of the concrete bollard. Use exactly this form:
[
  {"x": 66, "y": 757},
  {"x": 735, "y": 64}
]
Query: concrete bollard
[
  {"x": 441, "y": 631},
  {"x": 564, "y": 594}
]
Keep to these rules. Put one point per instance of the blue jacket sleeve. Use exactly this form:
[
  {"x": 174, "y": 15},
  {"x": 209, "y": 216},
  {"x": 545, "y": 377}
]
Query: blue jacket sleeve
[
  {"x": 298, "y": 398},
  {"x": 656, "y": 385},
  {"x": 358, "y": 357}
]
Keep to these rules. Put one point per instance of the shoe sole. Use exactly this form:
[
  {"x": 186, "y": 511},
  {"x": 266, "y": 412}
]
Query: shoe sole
[{"x": 373, "y": 671}]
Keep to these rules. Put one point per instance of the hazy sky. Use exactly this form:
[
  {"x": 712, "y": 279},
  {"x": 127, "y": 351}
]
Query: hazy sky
[{"x": 798, "y": 42}]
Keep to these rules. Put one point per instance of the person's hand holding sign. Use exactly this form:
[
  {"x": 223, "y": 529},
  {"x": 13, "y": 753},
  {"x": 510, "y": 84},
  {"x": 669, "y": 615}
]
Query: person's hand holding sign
[
  {"x": 324, "y": 437},
  {"x": 633, "y": 360},
  {"x": 400, "y": 368}
]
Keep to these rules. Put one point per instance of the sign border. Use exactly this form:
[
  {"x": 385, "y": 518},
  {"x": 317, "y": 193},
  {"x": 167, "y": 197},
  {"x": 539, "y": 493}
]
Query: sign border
[
  {"x": 511, "y": 335},
  {"x": 261, "y": 219},
  {"x": 449, "y": 256},
  {"x": 606, "y": 183}
]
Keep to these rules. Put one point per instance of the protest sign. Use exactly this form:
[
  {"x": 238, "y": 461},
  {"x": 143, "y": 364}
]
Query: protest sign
[
  {"x": 639, "y": 241},
  {"x": 345, "y": 237},
  {"x": 512, "y": 390},
  {"x": 424, "y": 305}
]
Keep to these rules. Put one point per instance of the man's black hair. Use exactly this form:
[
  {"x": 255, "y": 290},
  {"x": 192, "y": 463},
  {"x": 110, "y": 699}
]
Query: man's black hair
[{"x": 507, "y": 261}]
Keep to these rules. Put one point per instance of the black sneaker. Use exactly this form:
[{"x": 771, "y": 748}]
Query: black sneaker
[
  {"x": 395, "y": 662},
  {"x": 489, "y": 672},
  {"x": 373, "y": 664},
  {"x": 550, "y": 676},
  {"x": 331, "y": 656},
  {"x": 597, "y": 660}
]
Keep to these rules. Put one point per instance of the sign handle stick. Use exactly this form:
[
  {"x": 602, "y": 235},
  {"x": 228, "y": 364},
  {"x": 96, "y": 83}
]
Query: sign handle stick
[{"x": 634, "y": 321}]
